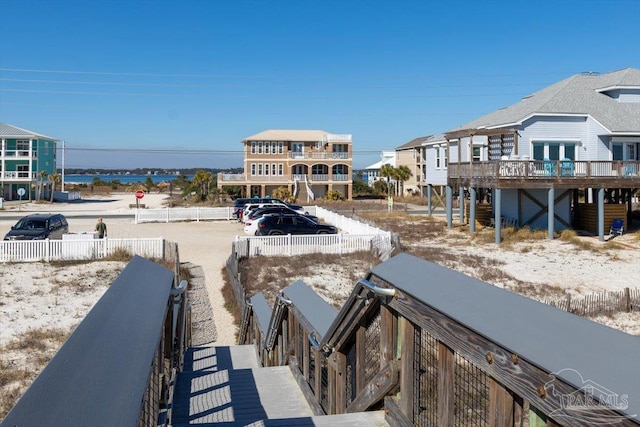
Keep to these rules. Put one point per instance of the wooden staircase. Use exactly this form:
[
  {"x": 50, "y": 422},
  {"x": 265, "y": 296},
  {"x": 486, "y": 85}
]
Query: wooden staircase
[{"x": 225, "y": 386}]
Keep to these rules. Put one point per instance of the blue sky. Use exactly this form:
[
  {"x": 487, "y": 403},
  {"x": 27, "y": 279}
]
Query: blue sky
[{"x": 190, "y": 79}]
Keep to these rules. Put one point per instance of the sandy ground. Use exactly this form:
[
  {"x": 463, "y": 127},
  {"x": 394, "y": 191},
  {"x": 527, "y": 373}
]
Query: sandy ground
[
  {"x": 207, "y": 244},
  {"x": 34, "y": 294}
]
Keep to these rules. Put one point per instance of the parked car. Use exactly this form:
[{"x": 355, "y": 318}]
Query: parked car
[
  {"x": 240, "y": 203},
  {"x": 251, "y": 222},
  {"x": 273, "y": 224},
  {"x": 256, "y": 213},
  {"x": 38, "y": 227},
  {"x": 252, "y": 207}
]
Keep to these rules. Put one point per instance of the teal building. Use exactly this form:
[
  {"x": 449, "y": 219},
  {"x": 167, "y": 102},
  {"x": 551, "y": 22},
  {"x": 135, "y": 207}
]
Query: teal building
[{"x": 24, "y": 157}]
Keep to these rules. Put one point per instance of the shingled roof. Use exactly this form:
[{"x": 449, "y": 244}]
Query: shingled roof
[{"x": 582, "y": 95}]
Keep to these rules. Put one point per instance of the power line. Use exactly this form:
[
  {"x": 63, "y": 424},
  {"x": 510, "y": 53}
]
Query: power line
[{"x": 286, "y": 77}]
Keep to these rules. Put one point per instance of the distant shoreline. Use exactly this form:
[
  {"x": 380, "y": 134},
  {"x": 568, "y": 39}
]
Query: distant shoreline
[{"x": 77, "y": 179}]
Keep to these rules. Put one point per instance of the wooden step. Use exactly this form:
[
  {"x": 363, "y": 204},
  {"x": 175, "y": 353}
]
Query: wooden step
[
  {"x": 211, "y": 359},
  {"x": 364, "y": 419},
  {"x": 239, "y": 395}
]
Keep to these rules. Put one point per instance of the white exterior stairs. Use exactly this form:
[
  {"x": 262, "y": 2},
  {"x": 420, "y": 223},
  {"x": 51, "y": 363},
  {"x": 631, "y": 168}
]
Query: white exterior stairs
[{"x": 225, "y": 386}]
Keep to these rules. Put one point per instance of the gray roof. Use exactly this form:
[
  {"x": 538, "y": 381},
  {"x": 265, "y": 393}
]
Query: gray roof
[
  {"x": 9, "y": 131},
  {"x": 288, "y": 135},
  {"x": 581, "y": 94},
  {"x": 550, "y": 338},
  {"x": 318, "y": 312},
  {"x": 417, "y": 142}
]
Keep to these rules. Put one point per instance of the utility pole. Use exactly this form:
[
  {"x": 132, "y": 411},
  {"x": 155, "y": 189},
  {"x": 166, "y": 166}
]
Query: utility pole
[{"x": 62, "y": 166}]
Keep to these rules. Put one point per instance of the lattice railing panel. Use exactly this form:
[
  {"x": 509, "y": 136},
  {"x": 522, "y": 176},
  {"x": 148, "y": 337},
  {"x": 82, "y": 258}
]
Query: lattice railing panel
[
  {"x": 372, "y": 348},
  {"x": 471, "y": 391},
  {"x": 425, "y": 393}
]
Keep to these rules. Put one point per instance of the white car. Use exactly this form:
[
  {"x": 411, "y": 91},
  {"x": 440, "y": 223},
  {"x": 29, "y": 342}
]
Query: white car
[
  {"x": 251, "y": 226},
  {"x": 252, "y": 206}
]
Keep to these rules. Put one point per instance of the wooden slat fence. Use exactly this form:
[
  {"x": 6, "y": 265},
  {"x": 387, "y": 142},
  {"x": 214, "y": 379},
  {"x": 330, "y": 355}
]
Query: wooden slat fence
[{"x": 627, "y": 300}]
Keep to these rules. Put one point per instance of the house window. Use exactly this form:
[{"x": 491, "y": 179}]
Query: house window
[
  {"x": 253, "y": 169},
  {"x": 253, "y": 147},
  {"x": 23, "y": 147},
  {"x": 274, "y": 147},
  {"x": 259, "y": 147},
  {"x": 631, "y": 152},
  {"x": 441, "y": 158},
  {"x": 297, "y": 148},
  {"x": 266, "y": 168},
  {"x": 273, "y": 169},
  {"x": 554, "y": 150},
  {"x": 477, "y": 154},
  {"x": 280, "y": 147},
  {"x": 267, "y": 148},
  {"x": 23, "y": 171},
  {"x": 259, "y": 169},
  {"x": 280, "y": 169}
]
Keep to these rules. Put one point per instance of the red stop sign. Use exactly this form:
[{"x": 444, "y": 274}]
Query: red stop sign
[{"x": 139, "y": 194}]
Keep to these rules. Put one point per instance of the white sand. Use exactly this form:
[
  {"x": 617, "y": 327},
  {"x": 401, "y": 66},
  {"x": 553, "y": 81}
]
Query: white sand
[
  {"x": 207, "y": 244},
  {"x": 30, "y": 294}
]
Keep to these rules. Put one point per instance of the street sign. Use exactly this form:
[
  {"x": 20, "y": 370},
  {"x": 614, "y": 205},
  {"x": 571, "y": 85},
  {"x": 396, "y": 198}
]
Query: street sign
[
  {"x": 21, "y": 192},
  {"x": 139, "y": 194}
]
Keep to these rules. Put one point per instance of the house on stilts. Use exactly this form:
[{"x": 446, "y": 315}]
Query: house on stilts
[{"x": 567, "y": 156}]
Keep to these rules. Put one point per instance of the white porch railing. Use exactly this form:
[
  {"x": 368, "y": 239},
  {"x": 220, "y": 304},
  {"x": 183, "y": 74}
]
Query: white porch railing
[{"x": 80, "y": 249}]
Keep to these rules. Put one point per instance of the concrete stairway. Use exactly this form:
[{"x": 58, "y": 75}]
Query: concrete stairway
[{"x": 224, "y": 386}]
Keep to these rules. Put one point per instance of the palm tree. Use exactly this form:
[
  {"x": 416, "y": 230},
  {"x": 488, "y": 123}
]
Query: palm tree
[
  {"x": 403, "y": 173},
  {"x": 42, "y": 175},
  {"x": 387, "y": 171},
  {"x": 54, "y": 178},
  {"x": 203, "y": 179}
]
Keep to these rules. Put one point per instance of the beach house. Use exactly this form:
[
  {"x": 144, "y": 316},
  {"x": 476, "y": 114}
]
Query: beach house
[
  {"x": 309, "y": 163},
  {"x": 565, "y": 156},
  {"x": 25, "y": 157}
]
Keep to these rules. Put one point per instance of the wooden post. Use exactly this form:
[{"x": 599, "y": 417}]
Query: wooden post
[
  {"x": 317, "y": 372},
  {"x": 500, "y": 405},
  {"x": 331, "y": 391},
  {"x": 306, "y": 355},
  {"x": 407, "y": 371},
  {"x": 360, "y": 362},
  {"x": 627, "y": 300},
  {"x": 446, "y": 381},
  {"x": 341, "y": 383},
  {"x": 388, "y": 337}
]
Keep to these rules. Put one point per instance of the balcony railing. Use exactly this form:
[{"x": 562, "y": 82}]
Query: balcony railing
[
  {"x": 239, "y": 178},
  {"x": 319, "y": 155},
  {"x": 545, "y": 169},
  {"x": 18, "y": 175},
  {"x": 20, "y": 154}
]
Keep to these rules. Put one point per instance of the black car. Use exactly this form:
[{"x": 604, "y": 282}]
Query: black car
[
  {"x": 257, "y": 213},
  {"x": 274, "y": 224},
  {"x": 39, "y": 227},
  {"x": 240, "y": 203}
]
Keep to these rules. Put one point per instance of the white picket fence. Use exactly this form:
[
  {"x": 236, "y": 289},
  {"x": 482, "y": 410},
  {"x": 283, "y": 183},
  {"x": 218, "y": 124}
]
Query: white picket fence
[
  {"x": 183, "y": 214},
  {"x": 291, "y": 245},
  {"x": 80, "y": 249}
]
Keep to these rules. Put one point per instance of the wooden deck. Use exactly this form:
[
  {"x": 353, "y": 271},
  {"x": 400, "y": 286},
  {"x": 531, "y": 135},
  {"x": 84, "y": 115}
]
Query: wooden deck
[
  {"x": 225, "y": 386},
  {"x": 545, "y": 174}
]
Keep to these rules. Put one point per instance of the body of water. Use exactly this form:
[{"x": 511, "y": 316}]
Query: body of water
[{"x": 124, "y": 179}]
